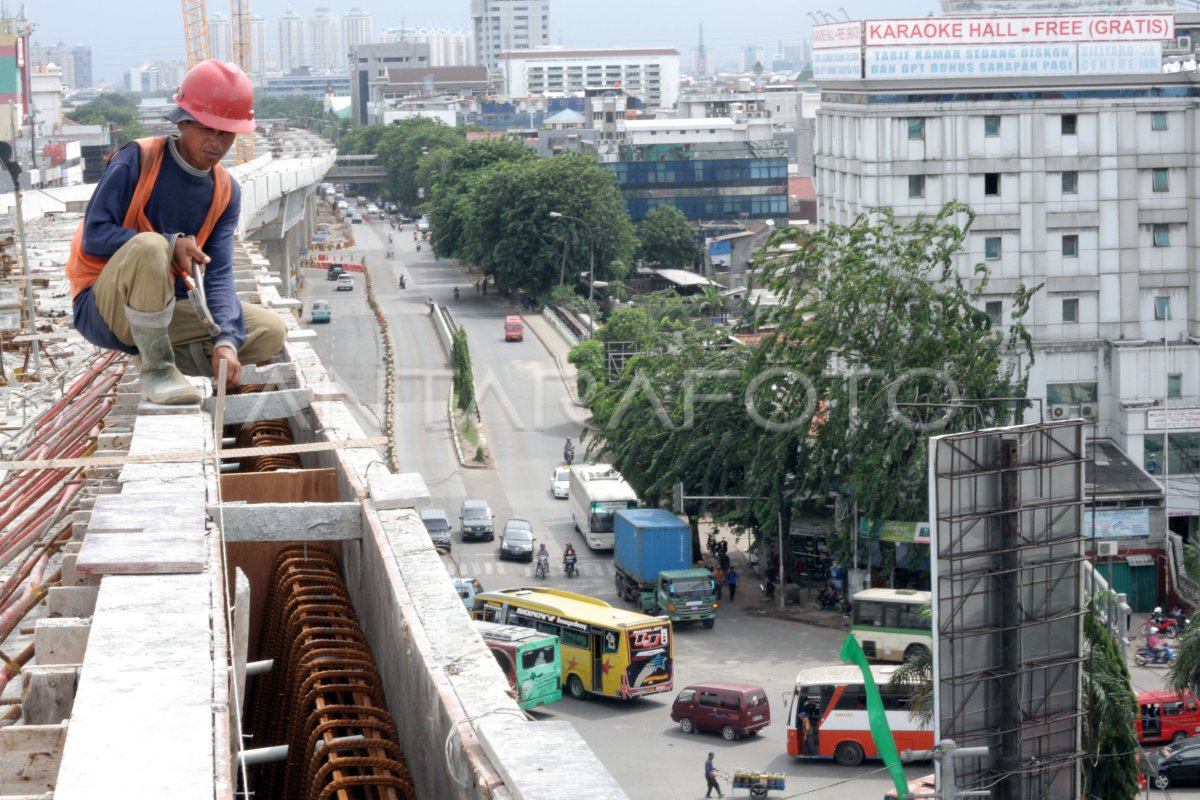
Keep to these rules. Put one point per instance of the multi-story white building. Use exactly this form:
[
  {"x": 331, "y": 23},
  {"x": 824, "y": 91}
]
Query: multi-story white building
[
  {"x": 1078, "y": 154},
  {"x": 324, "y": 52},
  {"x": 292, "y": 54},
  {"x": 649, "y": 74},
  {"x": 506, "y": 25},
  {"x": 258, "y": 46},
  {"x": 448, "y": 47},
  {"x": 220, "y": 36},
  {"x": 357, "y": 28}
]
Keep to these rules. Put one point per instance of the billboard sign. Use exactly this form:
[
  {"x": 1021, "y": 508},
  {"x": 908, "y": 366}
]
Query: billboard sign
[
  {"x": 887, "y": 63},
  {"x": 843, "y": 63},
  {"x": 1128, "y": 523},
  {"x": 1158, "y": 419},
  {"x": 1018, "y": 30},
  {"x": 841, "y": 34}
]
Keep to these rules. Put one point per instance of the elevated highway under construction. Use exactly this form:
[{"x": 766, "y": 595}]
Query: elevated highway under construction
[{"x": 200, "y": 601}]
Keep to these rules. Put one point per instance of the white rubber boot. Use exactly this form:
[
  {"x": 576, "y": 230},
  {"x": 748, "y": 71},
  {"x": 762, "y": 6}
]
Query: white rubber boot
[{"x": 161, "y": 380}]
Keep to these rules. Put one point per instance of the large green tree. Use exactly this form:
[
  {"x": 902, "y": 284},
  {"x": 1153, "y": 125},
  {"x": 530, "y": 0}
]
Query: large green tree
[
  {"x": 452, "y": 173},
  {"x": 118, "y": 110},
  {"x": 880, "y": 343},
  {"x": 510, "y": 234},
  {"x": 667, "y": 239},
  {"x": 400, "y": 148}
]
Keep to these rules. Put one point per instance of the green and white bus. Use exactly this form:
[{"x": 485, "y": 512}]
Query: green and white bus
[
  {"x": 889, "y": 623},
  {"x": 528, "y": 658}
]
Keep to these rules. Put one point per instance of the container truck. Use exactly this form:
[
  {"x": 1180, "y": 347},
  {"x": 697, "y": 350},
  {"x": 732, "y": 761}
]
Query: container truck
[{"x": 653, "y": 560}]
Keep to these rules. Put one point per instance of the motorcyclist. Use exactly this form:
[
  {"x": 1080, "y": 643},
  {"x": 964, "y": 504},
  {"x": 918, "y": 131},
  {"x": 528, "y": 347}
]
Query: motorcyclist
[
  {"x": 402, "y": 282},
  {"x": 543, "y": 555},
  {"x": 389, "y": 238},
  {"x": 1155, "y": 644},
  {"x": 568, "y": 553},
  {"x": 568, "y": 451},
  {"x": 455, "y": 288}
]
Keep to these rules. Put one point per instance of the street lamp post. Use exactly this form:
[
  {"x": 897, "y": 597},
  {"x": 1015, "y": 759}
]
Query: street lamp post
[{"x": 591, "y": 268}]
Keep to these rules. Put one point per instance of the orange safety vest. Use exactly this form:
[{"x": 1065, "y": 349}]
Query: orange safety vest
[{"x": 83, "y": 269}]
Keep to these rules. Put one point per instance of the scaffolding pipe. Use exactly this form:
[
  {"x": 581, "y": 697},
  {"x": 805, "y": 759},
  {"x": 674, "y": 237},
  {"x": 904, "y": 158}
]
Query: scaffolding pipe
[
  {"x": 263, "y": 755},
  {"x": 12, "y": 666}
]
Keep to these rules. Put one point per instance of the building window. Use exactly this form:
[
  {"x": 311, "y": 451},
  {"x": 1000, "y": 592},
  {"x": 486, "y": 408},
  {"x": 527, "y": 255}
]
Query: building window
[
  {"x": 1162, "y": 180},
  {"x": 916, "y": 185},
  {"x": 994, "y": 308},
  {"x": 1162, "y": 308},
  {"x": 991, "y": 184},
  {"x": 1070, "y": 183},
  {"x": 1070, "y": 309},
  {"x": 1174, "y": 385},
  {"x": 916, "y": 128},
  {"x": 1069, "y": 123},
  {"x": 1070, "y": 245},
  {"x": 1162, "y": 234},
  {"x": 991, "y": 247},
  {"x": 1158, "y": 120},
  {"x": 991, "y": 126}
]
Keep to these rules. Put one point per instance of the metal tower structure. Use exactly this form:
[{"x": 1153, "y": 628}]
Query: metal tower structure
[
  {"x": 195, "y": 31},
  {"x": 240, "y": 11}
]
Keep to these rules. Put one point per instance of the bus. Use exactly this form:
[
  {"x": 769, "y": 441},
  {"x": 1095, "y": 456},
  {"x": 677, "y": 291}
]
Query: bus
[
  {"x": 598, "y": 492},
  {"x": 889, "y": 623},
  {"x": 836, "y": 704},
  {"x": 528, "y": 659},
  {"x": 604, "y": 650}
]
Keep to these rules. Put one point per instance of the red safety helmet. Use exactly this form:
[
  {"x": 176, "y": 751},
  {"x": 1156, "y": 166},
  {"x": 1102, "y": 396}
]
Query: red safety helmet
[{"x": 216, "y": 94}]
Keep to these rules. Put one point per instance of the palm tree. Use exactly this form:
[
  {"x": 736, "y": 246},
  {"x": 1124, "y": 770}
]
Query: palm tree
[
  {"x": 1184, "y": 672},
  {"x": 916, "y": 672}
]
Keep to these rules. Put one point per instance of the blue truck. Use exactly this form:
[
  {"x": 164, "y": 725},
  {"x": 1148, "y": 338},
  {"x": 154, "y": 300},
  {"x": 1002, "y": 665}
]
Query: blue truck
[{"x": 652, "y": 554}]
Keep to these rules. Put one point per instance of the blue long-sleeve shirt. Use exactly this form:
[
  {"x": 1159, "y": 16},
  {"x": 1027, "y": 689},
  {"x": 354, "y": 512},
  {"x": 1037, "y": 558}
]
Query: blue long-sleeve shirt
[{"x": 178, "y": 205}]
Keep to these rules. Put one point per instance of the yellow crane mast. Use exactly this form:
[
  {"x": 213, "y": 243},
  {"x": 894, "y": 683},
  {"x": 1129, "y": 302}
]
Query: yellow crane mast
[
  {"x": 195, "y": 31},
  {"x": 240, "y": 12}
]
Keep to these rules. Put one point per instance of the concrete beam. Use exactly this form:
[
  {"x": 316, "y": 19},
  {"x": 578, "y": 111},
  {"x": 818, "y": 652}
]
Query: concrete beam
[
  {"x": 61, "y": 641},
  {"x": 288, "y": 522},
  {"x": 160, "y": 552},
  {"x": 30, "y": 756},
  {"x": 71, "y": 601},
  {"x": 274, "y": 374},
  {"x": 262, "y": 405},
  {"x": 147, "y": 679},
  {"x": 49, "y": 693}
]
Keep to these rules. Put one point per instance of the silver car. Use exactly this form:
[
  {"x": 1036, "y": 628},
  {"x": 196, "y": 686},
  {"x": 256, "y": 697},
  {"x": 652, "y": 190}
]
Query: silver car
[
  {"x": 477, "y": 520},
  {"x": 516, "y": 540}
]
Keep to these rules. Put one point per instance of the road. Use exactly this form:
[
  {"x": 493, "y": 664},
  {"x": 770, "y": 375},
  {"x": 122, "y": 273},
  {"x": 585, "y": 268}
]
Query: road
[{"x": 527, "y": 413}]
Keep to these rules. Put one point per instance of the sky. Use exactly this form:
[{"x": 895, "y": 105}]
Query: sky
[{"x": 121, "y": 39}]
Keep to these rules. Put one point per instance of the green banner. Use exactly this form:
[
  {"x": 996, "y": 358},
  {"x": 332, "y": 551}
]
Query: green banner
[
  {"x": 881, "y": 732},
  {"x": 893, "y": 530}
]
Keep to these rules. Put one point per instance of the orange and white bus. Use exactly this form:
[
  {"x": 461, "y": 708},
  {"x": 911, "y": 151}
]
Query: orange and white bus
[{"x": 835, "y": 702}]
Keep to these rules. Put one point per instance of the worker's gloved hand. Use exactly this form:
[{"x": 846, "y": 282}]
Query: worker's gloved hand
[{"x": 233, "y": 367}]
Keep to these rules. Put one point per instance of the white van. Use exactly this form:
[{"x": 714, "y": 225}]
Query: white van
[{"x": 343, "y": 206}]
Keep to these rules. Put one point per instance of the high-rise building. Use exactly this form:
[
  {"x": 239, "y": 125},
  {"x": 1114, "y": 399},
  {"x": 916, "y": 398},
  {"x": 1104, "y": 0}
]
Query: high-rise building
[
  {"x": 1076, "y": 152},
  {"x": 291, "y": 42},
  {"x": 749, "y": 56},
  {"x": 220, "y": 36},
  {"x": 356, "y": 30},
  {"x": 448, "y": 47},
  {"x": 142, "y": 80},
  {"x": 324, "y": 52},
  {"x": 258, "y": 46},
  {"x": 81, "y": 55},
  {"x": 501, "y": 25}
]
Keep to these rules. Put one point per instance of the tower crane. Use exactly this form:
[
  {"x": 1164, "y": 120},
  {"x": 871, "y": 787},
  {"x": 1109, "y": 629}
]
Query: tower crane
[{"x": 199, "y": 47}]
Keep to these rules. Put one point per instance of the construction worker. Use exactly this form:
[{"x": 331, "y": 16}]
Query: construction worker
[{"x": 162, "y": 204}]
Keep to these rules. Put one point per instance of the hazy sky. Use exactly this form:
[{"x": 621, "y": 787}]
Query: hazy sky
[{"x": 122, "y": 37}]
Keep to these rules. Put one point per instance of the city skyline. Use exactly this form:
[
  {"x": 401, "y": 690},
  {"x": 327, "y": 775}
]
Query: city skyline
[{"x": 623, "y": 23}]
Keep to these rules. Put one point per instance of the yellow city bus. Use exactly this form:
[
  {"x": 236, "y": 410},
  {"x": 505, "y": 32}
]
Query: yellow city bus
[{"x": 604, "y": 650}]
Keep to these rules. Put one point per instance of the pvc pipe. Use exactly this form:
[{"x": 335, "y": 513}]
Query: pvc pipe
[
  {"x": 263, "y": 755},
  {"x": 259, "y": 667}
]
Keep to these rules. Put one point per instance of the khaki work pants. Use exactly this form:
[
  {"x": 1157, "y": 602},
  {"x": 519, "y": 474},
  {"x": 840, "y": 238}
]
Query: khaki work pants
[{"x": 139, "y": 276}]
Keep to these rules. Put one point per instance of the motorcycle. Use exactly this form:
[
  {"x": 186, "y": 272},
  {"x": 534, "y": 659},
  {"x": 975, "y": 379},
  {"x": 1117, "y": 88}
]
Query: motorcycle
[
  {"x": 767, "y": 585},
  {"x": 418, "y": 247},
  {"x": 543, "y": 566},
  {"x": 568, "y": 455},
  {"x": 829, "y": 599},
  {"x": 455, "y": 288},
  {"x": 569, "y": 566},
  {"x": 403, "y": 284},
  {"x": 1145, "y": 655},
  {"x": 1169, "y": 627}
]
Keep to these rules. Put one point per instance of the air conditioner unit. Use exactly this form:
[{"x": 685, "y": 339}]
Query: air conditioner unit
[
  {"x": 1106, "y": 549},
  {"x": 1089, "y": 411},
  {"x": 1063, "y": 411},
  {"x": 1183, "y": 43}
]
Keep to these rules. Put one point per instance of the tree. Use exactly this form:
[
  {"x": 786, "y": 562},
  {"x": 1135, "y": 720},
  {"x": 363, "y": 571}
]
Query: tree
[
  {"x": 509, "y": 232},
  {"x": 1110, "y": 746},
  {"x": 463, "y": 377},
  {"x": 400, "y": 148},
  {"x": 880, "y": 343},
  {"x": 667, "y": 239},
  {"x": 452, "y": 173},
  {"x": 117, "y": 110},
  {"x": 1184, "y": 672}
]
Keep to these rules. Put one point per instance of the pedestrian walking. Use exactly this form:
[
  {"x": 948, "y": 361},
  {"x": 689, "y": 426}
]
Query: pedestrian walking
[
  {"x": 710, "y": 776},
  {"x": 719, "y": 579},
  {"x": 731, "y": 578},
  {"x": 723, "y": 560}
]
